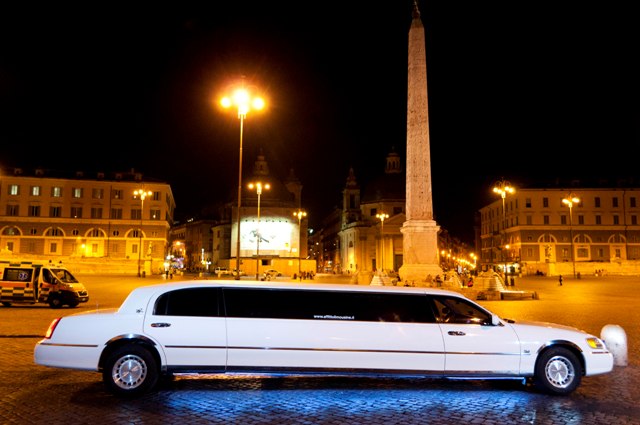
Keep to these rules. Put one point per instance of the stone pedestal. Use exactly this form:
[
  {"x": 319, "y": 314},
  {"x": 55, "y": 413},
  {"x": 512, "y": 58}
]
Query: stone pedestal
[{"x": 420, "y": 251}]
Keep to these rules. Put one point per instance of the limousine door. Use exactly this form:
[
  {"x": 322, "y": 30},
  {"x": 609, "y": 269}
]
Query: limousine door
[
  {"x": 472, "y": 344},
  {"x": 331, "y": 331},
  {"x": 190, "y": 330}
]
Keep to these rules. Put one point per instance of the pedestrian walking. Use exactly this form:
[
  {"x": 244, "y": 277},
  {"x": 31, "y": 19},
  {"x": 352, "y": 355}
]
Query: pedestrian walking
[{"x": 560, "y": 279}]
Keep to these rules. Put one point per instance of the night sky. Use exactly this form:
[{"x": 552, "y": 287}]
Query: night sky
[{"x": 517, "y": 90}]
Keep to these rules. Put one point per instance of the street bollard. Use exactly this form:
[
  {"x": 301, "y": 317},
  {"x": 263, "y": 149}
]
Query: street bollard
[{"x": 616, "y": 340}]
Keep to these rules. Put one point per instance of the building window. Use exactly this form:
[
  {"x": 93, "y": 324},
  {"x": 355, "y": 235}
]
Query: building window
[
  {"x": 13, "y": 210},
  {"x": 35, "y": 191},
  {"x": 529, "y": 252},
  {"x": 582, "y": 253},
  {"x": 527, "y": 203},
  {"x": 545, "y": 202},
  {"x": 580, "y": 219},
  {"x": 96, "y": 212},
  {"x": 397, "y": 210},
  {"x": 55, "y": 211},
  {"x": 77, "y": 192},
  {"x": 76, "y": 212},
  {"x": 545, "y": 219},
  {"x": 136, "y": 214},
  {"x": 614, "y": 201},
  {"x": 96, "y": 233},
  {"x": 598, "y": 219},
  {"x": 54, "y": 232},
  {"x": 352, "y": 201},
  {"x": 75, "y": 232},
  {"x": 529, "y": 220},
  {"x": 565, "y": 253},
  {"x": 10, "y": 246},
  {"x": 597, "y": 201},
  {"x": 632, "y": 202},
  {"x": 116, "y": 194},
  {"x": 156, "y": 196},
  {"x": 33, "y": 231},
  {"x": 563, "y": 219},
  {"x": 600, "y": 253},
  {"x": 14, "y": 189},
  {"x": 373, "y": 212},
  {"x": 155, "y": 214},
  {"x": 97, "y": 193},
  {"x": 116, "y": 233},
  {"x": 56, "y": 192},
  {"x": 53, "y": 247},
  {"x": 34, "y": 211},
  {"x": 116, "y": 213},
  {"x": 616, "y": 219},
  {"x": 634, "y": 219}
]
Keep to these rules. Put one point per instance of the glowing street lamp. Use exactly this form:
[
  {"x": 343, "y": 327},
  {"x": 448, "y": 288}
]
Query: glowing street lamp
[
  {"x": 142, "y": 194},
  {"x": 382, "y": 217},
  {"x": 299, "y": 214},
  {"x": 571, "y": 199},
  {"x": 243, "y": 101},
  {"x": 504, "y": 188},
  {"x": 258, "y": 186}
]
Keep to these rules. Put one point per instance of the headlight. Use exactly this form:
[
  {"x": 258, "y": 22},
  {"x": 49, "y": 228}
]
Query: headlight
[{"x": 595, "y": 343}]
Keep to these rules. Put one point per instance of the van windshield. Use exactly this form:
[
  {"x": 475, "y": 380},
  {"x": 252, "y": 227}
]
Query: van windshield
[{"x": 64, "y": 275}]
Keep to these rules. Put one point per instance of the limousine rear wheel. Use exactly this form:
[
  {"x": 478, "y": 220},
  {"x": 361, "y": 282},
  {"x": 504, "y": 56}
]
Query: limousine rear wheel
[
  {"x": 558, "y": 371},
  {"x": 130, "y": 370}
]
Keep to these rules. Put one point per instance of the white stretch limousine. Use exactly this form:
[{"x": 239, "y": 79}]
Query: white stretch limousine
[{"x": 263, "y": 327}]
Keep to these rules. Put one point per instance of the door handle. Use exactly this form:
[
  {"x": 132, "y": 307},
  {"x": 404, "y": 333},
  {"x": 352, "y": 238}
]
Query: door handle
[
  {"x": 160, "y": 325},
  {"x": 456, "y": 333}
]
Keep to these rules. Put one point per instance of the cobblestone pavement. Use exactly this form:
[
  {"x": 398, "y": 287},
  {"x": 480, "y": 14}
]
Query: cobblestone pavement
[{"x": 31, "y": 394}]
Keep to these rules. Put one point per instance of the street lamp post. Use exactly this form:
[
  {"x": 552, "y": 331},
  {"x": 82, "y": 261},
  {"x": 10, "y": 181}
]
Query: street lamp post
[
  {"x": 382, "y": 217},
  {"x": 243, "y": 101},
  {"x": 569, "y": 201},
  {"x": 258, "y": 187},
  {"x": 503, "y": 188},
  {"x": 142, "y": 194},
  {"x": 299, "y": 214}
]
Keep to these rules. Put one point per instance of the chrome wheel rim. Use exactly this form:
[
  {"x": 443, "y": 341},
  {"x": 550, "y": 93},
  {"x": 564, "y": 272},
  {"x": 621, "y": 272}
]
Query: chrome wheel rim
[
  {"x": 129, "y": 372},
  {"x": 560, "y": 372}
]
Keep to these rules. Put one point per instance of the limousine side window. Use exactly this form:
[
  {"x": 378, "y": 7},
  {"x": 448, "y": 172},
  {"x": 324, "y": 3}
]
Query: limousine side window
[
  {"x": 189, "y": 302},
  {"x": 327, "y": 305},
  {"x": 460, "y": 311}
]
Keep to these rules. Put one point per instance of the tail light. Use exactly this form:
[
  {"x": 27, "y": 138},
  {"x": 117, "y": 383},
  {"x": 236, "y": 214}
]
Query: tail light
[{"x": 52, "y": 327}]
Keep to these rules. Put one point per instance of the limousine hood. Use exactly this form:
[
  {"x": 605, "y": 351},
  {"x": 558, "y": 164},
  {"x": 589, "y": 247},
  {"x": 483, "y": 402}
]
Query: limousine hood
[{"x": 525, "y": 328}]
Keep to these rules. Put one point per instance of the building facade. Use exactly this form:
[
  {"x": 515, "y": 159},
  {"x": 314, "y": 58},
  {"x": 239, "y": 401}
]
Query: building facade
[
  {"x": 536, "y": 232},
  {"x": 77, "y": 218},
  {"x": 271, "y": 236}
]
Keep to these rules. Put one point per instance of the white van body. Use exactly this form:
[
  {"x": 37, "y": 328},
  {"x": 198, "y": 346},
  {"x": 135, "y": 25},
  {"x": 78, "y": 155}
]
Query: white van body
[{"x": 263, "y": 327}]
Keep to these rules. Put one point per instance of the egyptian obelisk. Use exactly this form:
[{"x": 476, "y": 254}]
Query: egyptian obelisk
[{"x": 420, "y": 231}]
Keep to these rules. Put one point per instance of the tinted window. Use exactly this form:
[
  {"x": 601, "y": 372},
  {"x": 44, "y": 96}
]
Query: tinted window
[
  {"x": 459, "y": 310},
  {"x": 327, "y": 305},
  {"x": 189, "y": 302}
]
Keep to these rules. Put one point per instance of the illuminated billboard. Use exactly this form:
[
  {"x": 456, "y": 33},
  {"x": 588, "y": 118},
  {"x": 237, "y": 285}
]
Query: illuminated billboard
[{"x": 275, "y": 236}]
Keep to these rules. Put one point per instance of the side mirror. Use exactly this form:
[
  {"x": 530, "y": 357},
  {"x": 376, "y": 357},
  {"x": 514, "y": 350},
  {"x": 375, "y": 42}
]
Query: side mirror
[{"x": 495, "y": 320}]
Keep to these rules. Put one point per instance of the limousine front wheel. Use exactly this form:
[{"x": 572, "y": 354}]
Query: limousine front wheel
[
  {"x": 130, "y": 370},
  {"x": 558, "y": 371}
]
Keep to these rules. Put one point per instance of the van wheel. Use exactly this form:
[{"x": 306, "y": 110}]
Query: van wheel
[
  {"x": 55, "y": 302},
  {"x": 130, "y": 371},
  {"x": 73, "y": 304},
  {"x": 558, "y": 371}
]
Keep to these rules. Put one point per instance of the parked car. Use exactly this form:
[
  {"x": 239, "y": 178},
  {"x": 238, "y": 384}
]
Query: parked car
[
  {"x": 271, "y": 273},
  {"x": 221, "y": 271},
  {"x": 234, "y": 272},
  {"x": 258, "y": 327}
]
